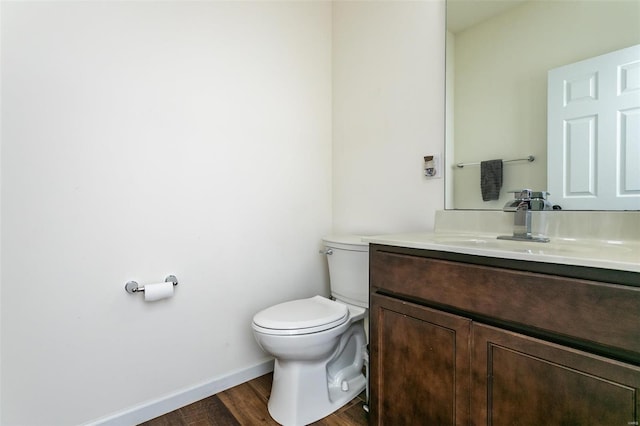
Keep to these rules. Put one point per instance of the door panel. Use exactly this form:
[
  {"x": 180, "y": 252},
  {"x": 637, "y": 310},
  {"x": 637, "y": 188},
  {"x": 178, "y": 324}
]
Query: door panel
[
  {"x": 519, "y": 380},
  {"x": 419, "y": 365},
  {"x": 593, "y": 140}
]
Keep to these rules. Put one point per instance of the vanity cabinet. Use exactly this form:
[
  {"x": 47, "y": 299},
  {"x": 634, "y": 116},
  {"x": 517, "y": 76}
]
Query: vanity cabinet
[{"x": 469, "y": 340}]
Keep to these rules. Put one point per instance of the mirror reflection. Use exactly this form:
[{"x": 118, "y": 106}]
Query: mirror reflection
[{"x": 499, "y": 54}]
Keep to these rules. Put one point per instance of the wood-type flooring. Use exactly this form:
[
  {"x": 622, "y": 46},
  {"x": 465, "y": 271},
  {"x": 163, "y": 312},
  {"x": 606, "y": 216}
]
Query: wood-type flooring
[{"x": 246, "y": 405}]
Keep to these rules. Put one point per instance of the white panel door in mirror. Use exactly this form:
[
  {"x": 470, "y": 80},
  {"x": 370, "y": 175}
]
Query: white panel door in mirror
[{"x": 593, "y": 140}]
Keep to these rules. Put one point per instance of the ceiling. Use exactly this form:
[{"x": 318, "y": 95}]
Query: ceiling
[{"x": 462, "y": 14}]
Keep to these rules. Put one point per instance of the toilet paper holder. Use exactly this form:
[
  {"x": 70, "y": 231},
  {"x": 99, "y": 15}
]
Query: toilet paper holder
[{"x": 133, "y": 287}]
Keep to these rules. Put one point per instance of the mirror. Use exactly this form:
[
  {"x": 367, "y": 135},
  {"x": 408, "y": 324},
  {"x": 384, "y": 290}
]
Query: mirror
[{"x": 498, "y": 57}]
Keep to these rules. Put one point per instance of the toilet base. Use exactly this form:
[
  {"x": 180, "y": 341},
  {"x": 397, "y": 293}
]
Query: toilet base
[{"x": 304, "y": 392}]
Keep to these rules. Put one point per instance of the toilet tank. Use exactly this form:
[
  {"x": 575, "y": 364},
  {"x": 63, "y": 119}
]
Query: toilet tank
[{"x": 348, "y": 268}]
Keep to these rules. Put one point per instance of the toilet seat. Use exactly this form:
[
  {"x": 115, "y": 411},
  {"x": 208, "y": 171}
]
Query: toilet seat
[{"x": 303, "y": 316}]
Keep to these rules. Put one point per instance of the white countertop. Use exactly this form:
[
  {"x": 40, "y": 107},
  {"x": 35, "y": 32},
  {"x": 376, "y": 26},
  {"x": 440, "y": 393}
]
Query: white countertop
[{"x": 608, "y": 254}]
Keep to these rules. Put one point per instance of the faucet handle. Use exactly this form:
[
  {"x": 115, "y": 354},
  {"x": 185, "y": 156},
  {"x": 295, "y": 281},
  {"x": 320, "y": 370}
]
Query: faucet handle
[
  {"x": 522, "y": 194},
  {"x": 528, "y": 194},
  {"x": 534, "y": 200},
  {"x": 542, "y": 195}
]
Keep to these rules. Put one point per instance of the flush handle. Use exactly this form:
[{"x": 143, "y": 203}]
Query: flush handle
[{"x": 327, "y": 251}]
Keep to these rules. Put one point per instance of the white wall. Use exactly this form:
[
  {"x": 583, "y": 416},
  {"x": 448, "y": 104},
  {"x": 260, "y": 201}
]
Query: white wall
[
  {"x": 1, "y": 244},
  {"x": 501, "y": 84},
  {"x": 449, "y": 171},
  {"x": 388, "y": 113},
  {"x": 142, "y": 139}
]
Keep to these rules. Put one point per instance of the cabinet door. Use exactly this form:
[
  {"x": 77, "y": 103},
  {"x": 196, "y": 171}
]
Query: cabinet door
[
  {"x": 419, "y": 365},
  {"x": 519, "y": 380}
]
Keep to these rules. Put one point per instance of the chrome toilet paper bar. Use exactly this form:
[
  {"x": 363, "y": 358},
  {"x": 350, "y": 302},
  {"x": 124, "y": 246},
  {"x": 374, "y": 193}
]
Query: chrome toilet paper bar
[{"x": 133, "y": 287}]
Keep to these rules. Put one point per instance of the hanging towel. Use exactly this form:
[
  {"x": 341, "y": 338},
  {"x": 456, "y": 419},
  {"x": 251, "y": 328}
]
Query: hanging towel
[{"x": 490, "y": 179}]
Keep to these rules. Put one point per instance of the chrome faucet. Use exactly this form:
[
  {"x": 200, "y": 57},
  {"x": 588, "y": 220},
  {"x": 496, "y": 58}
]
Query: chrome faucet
[{"x": 524, "y": 202}]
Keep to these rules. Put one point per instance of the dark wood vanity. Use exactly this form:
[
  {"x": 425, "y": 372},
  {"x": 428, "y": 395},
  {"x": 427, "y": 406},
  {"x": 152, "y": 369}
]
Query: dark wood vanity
[{"x": 473, "y": 340}]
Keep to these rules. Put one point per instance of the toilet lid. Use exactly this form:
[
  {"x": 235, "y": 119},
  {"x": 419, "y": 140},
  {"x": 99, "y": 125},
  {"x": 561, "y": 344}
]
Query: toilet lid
[{"x": 302, "y": 316}]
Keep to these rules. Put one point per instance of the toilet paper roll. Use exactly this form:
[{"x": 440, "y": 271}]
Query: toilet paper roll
[{"x": 158, "y": 291}]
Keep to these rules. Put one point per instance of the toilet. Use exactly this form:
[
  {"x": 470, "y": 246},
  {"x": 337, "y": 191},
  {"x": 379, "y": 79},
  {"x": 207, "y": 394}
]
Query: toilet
[{"x": 319, "y": 344}]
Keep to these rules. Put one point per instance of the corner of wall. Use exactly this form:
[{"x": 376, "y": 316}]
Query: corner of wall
[{"x": 1, "y": 334}]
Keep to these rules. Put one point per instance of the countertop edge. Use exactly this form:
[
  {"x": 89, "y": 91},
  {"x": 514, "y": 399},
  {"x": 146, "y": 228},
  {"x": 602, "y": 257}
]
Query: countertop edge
[{"x": 422, "y": 241}]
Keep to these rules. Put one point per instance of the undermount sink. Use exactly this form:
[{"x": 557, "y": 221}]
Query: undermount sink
[{"x": 558, "y": 246}]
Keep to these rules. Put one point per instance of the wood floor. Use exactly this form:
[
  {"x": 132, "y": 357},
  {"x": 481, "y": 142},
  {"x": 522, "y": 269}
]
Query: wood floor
[{"x": 246, "y": 404}]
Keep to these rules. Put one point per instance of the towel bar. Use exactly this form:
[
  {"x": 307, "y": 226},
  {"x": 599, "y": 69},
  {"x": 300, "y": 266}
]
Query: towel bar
[{"x": 530, "y": 159}]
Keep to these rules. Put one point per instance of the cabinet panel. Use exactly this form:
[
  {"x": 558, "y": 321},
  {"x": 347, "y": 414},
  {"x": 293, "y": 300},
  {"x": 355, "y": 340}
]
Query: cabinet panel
[
  {"x": 590, "y": 311},
  {"x": 520, "y": 380},
  {"x": 420, "y": 365}
]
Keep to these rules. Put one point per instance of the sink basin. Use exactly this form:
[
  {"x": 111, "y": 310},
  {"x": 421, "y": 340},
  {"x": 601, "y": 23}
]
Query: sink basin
[{"x": 557, "y": 246}]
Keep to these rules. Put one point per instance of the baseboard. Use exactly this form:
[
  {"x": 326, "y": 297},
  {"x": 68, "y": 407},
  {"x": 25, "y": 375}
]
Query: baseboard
[{"x": 152, "y": 409}]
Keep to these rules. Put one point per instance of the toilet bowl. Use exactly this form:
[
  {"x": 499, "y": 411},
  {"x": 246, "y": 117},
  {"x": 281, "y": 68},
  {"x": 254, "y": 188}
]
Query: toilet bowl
[{"x": 319, "y": 345}]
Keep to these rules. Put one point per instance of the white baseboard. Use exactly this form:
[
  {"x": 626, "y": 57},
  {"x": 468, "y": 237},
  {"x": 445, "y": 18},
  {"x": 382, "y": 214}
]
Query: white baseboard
[{"x": 152, "y": 409}]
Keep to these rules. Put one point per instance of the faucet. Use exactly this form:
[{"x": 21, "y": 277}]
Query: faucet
[{"x": 524, "y": 202}]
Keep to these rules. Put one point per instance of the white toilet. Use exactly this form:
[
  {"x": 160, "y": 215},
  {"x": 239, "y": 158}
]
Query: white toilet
[{"x": 319, "y": 344}]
